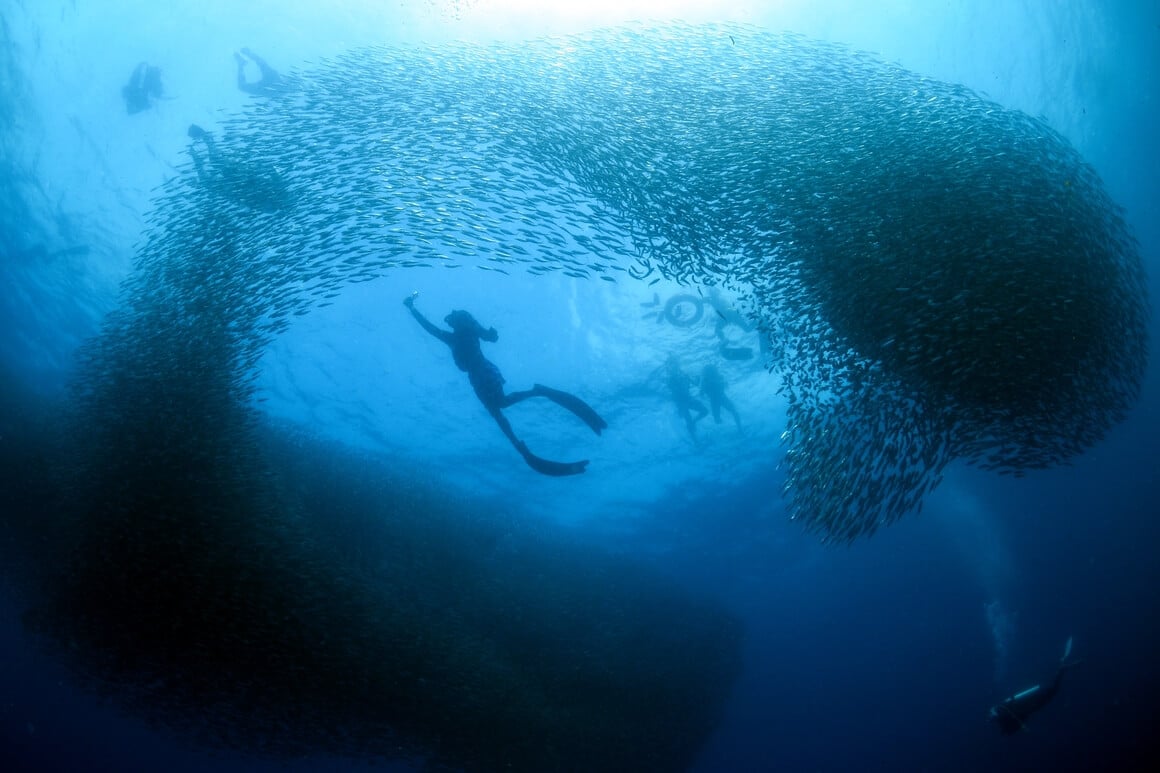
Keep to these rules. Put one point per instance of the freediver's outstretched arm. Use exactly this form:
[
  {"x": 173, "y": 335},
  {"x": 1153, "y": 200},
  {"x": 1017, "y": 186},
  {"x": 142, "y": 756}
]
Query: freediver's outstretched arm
[{"x": 442, "y": 335}]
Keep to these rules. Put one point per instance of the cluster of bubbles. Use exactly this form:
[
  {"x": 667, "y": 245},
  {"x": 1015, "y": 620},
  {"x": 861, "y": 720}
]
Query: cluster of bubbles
[
  {"x": 938, "y": 278},
  {"x": 1001, "y": 621}
]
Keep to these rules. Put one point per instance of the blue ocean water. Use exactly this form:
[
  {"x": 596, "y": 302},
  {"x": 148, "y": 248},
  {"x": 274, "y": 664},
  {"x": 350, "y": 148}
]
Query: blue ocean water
[{"x": 881, "y": 655}]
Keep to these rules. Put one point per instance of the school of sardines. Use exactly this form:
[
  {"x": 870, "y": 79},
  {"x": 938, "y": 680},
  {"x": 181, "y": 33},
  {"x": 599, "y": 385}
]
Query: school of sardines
[{"x": 941, "y": 277}]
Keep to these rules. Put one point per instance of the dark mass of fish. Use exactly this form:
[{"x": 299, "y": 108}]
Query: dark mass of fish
[
  {"x": 943, "y": 277},
  {"x": 939, "y": 278},
  {"x": 274, "y": 595}
]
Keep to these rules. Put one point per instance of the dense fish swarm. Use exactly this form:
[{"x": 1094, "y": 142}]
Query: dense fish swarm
[
  {"x": 945, "y": 278},
  {"x": 256, "y": 590},
  {"x": 942, "y": 278}
]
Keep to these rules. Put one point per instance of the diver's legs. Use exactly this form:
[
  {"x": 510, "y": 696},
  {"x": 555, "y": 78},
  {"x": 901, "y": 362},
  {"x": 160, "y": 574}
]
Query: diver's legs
[
  {"x": 505, "y": 426},
  {"x": 690, "y": 423},
  {"x": 256, "y": 59},
  {"x": 269, "y": 74},
  {"x": 570, "y": 402},
  {"x": 728, "y": 404},
  {"x": 241, "y": 60},
  {"x": 699, "y": 407},
  {"x": 686, "y": 407},
  {"x": 511, "y": 398},
  {"x": 542, "y": 466},
  {"x": 701, "y": 411}
]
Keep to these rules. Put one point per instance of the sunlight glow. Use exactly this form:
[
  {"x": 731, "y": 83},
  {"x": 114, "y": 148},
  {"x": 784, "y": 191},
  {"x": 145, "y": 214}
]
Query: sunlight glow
[{"x": 572, "y": 14}]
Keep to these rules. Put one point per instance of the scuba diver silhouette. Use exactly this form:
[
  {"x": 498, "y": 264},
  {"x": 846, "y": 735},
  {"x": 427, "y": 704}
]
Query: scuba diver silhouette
[
  {"x": 143, "y": 88},
  {"x": 713, "y": 388},
  {"x": 680, "y": 386},
  {"x": 1011, "y": 715},
  {"x": 486, "y": 380}
]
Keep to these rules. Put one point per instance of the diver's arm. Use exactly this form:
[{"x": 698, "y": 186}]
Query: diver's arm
[
  {"x": 442, "y": 335},
  {"x": 258, "y": 61}
]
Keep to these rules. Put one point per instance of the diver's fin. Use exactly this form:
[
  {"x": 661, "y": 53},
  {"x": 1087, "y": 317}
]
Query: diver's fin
[
  {"x": 581, "y": 409},
  {"x": 547, "y": 466},
  {"x": 1066, "y": 651}
]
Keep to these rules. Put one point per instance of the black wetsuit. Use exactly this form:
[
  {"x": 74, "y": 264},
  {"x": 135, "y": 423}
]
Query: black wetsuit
[{"x": 487, "y": 381}]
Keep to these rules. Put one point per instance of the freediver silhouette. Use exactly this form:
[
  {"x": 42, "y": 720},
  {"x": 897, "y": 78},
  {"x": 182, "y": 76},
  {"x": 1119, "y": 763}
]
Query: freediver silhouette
[
  {"x": 487, "y": 381},
  {"x": 143, "y": 89},
  {"x": 270, "y": 82}
]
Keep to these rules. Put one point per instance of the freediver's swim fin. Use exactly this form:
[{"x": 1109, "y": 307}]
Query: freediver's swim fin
[
  {"x": 547, "y": 466},
  {"x": 1066, "y": 651},
  {"x": 581, "y": 409}
]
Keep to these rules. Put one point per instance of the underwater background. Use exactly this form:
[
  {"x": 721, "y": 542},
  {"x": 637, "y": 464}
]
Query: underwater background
[{"x": 252, "y": 517}]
